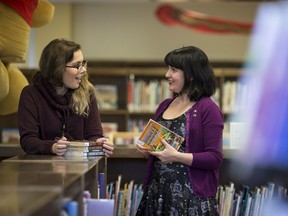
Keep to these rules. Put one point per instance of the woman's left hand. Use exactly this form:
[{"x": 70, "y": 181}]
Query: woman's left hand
[
  {"x": 167, "y": 155},
  {"x": 107, "y": 146}
]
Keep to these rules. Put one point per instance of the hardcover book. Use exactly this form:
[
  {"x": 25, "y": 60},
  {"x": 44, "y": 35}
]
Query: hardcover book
[{"x": 152, "y": 134}]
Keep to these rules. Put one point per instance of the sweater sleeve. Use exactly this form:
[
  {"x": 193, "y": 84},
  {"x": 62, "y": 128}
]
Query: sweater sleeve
[
  {"x": 209, "y": 155},
  {"x": 93, "y": 126},
  {"x": 28, "y": 123}
]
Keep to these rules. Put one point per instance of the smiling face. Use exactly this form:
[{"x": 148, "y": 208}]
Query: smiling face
[
  {"x": 175, "y": 79},
  {"x": 72, "y": 76}
]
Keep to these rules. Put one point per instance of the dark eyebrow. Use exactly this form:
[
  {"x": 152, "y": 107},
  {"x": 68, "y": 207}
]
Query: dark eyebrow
[{"x": 76, "y": 63}]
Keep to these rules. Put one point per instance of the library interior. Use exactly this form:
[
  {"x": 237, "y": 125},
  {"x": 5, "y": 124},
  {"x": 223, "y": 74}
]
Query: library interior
[{"x": 124, "y": 43}]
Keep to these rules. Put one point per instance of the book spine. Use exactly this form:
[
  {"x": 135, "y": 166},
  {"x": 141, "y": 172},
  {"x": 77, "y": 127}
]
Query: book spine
[{"x": 101, "y": 182}]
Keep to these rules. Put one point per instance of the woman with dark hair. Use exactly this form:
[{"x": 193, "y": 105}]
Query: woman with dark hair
[
  {"x": 60, "y": 104},
  {"x": 185, "y": 182}
]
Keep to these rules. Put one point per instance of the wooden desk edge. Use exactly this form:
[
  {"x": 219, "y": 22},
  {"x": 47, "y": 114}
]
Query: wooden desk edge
[{"x": 120, "y": 151}]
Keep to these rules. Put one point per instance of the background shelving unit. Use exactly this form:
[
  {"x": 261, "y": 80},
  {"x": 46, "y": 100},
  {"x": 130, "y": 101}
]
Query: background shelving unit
[
  {"x": 119, "y": 73},
  {"x": 126, "y": 161}
]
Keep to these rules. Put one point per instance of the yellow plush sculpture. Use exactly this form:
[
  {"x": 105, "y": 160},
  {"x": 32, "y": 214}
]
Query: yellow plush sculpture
[{"x": 17, "y": 18}]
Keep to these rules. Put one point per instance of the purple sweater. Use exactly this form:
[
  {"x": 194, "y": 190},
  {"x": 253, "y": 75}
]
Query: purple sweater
[
  {"x": 42, "y": 114},
  {"x": 204, "y": 127}
]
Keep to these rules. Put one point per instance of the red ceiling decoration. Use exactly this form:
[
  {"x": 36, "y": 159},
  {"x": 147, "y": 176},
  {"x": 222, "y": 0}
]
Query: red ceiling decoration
[{"x": 200, "y": 22}]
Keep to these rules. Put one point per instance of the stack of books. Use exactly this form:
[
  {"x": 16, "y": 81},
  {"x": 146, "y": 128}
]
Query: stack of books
[{"x": 84, "y": 149}]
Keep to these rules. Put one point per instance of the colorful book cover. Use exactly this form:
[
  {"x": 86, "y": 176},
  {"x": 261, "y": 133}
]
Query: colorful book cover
[{"x": 152, "y": 134}]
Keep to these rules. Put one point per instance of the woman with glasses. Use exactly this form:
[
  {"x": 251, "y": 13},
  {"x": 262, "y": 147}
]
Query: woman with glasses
[{"x": 60, "y": 104}]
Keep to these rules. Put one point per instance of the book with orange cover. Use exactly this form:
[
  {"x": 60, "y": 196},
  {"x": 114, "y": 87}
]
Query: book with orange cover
[{"x": 152, "y": 134}]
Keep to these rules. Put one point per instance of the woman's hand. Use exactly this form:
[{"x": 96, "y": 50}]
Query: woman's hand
[
  {"x": 59, "y": 148},
  {"x": 142, "y": 150},
  {"x": 168, "y": 155},
  {"x": 107, "y": 146}
]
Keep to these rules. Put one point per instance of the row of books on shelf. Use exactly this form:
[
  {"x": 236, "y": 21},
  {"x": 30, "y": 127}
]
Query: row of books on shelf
[
  {"x": 126, "y": 199},
  {"x": 118, "y": 201},
  {"x": 141, "y": 95},
  {"x": 234, "y": 96},
  {"x": 248, "y": 201},
  {"x": 146, "y": 95},
  {"x": 245, "y": 202}
]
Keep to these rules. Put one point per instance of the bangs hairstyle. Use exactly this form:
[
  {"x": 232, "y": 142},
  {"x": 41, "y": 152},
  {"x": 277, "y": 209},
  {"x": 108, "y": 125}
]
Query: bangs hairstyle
[
  {"x": 54, "y": 58},
  {"x": 198, "y": 74}
]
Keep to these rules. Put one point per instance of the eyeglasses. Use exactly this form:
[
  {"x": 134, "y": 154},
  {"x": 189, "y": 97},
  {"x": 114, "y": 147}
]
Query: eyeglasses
[{"x": 78, "y": 66}]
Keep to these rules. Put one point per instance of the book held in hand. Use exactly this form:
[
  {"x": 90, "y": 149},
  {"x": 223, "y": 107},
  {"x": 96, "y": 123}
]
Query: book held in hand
[{"x": 152, "y": 134}]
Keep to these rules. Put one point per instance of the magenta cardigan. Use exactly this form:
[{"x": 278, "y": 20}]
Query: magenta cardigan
[{"x": 204, "y": 128}]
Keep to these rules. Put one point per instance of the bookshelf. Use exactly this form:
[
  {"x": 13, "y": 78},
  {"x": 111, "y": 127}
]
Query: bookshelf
[
  {"x": 126, "y": 161},
  {"x": 132, "y": 117},
  {"x": 119, "y": 74}
]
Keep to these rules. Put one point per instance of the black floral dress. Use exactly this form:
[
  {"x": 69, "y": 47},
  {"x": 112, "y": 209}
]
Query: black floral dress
[{"x": 169, "y": 191}]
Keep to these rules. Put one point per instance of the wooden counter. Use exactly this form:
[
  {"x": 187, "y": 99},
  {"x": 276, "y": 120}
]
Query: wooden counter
[
  {"x": 121, "y": 151},
  {"x": 30, "y": 201},
  {"x": 63, "y": 178}
]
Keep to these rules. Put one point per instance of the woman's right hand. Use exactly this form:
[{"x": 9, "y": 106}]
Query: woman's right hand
[
  {"x": 142, "y": 150},
  {"x": 59, "y": 148}
]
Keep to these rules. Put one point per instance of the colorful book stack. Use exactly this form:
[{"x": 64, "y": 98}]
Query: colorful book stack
[{"x": 84, "y": 149}]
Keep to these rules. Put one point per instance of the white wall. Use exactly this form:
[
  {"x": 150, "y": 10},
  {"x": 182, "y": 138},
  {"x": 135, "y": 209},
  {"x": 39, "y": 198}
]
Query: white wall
[
  {"x": 131, "y": 31},
  {"x": 60, "y": 27}
]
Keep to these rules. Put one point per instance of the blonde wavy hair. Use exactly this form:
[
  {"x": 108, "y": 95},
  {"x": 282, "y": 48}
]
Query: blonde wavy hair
[{"x": 81, "y": 97}]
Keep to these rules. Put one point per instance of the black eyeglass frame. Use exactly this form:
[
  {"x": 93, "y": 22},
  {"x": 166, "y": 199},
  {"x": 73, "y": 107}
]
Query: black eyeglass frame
[{"x": 78, "y": 66}]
